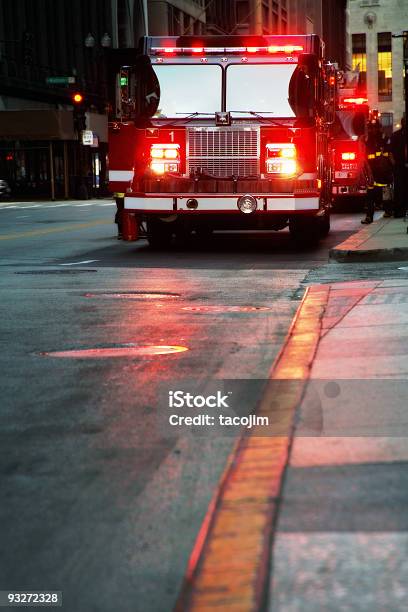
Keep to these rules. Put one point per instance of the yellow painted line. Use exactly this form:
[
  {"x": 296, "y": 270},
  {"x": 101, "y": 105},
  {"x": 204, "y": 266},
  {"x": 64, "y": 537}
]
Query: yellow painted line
[
  {"x": 54, "y": 230},
  {"x": 230, "y": 563}
]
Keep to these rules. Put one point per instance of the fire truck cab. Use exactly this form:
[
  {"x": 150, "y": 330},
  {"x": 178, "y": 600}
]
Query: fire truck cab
[{"x": 223, "y": 132}]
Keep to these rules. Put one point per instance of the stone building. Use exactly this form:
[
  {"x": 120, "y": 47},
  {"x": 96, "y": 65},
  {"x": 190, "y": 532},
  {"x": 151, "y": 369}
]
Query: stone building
[{"x": 375, "y": 49}]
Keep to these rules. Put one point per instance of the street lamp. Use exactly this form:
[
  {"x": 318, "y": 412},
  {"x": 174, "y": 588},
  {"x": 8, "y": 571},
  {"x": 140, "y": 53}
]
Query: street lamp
[
  {"x": 90, "y": 41},
  {"x": 106, "y": 41}
]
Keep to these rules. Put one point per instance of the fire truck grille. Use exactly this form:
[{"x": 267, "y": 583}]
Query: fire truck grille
[{"x": 223, "y": 152}]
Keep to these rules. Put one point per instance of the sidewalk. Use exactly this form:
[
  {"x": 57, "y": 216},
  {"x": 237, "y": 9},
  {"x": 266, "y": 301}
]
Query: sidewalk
[
  {"x": 383, "y": 240},
  {"x": 314, "y": 517},
  {"x": 342, "y": 536}
]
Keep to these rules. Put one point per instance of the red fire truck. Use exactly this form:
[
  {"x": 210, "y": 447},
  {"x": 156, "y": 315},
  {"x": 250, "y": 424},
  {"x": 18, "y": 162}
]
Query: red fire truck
[
  {"x": 348, "y": 148},
  {"x": 220, "y": 133}
]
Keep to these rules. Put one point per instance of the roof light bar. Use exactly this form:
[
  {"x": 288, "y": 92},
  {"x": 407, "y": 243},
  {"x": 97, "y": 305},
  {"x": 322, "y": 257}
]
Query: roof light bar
[{"x": 285, "y": 49}]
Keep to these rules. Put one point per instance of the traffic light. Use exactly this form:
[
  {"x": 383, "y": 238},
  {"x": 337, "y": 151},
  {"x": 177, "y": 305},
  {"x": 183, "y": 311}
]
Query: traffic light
[
  {"x": 77, "y": 98},
  {"x": 28, "y": 48}
]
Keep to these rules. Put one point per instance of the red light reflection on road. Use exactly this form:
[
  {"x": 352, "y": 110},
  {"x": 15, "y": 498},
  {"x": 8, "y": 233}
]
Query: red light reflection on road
[
  {"x": 135, "y": 295},
  {"x": 225, "y": 308},
  {"x": 118, "y": 351}
]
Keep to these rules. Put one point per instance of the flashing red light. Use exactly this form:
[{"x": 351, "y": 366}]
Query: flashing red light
[
  {"x": 164, "y": 158},
  {"x": 332, "y": 80},
  {"x": 348, "y": 156},
  {"x": 9, "y": 157},
  {"x": 285, "y": 48},
  {"x": 357, "y": 101},
  {"x": 252, "y": 49},
  {"x": 77, "y": 98}
]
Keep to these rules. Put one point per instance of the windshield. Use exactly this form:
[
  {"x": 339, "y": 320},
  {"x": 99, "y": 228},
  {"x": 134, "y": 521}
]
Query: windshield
[
  {"x": 262, "y": 88},
  {"x": 187, "y": 89}
]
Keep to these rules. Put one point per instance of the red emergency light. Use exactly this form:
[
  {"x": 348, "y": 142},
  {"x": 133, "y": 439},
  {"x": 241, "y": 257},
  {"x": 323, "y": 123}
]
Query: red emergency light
[
  {"x": 348, "y": 156},
  {"x": 164, "y": 158},
  {"x": 357, "y": 101}
]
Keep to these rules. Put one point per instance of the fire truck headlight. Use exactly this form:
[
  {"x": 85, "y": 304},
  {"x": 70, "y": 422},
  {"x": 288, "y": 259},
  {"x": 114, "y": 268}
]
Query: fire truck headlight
[
  {"x": 247, "y": 204},
  {"x": 171, "y": 153},
  {"x": 282, "y": 167},
  {"x": 158, "y": 167},
  {"x": 281, "y": 159},
  {"x": 156, "y": 153},
  {"x": 164, "y": 158},
  {"x": 288, "y": 167}
]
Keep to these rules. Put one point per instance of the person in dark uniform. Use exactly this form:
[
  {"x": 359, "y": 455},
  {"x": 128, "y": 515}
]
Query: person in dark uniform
[
  {"x": 119, "y": 199},
  {"x": 381, "y": 169},
  {"x": 398, "y": 148}
]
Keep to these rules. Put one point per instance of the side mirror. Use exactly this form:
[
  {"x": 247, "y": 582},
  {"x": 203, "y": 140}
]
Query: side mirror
[
  {"x": 149, "y": 86},
  {"x": 302, "y": 86}
]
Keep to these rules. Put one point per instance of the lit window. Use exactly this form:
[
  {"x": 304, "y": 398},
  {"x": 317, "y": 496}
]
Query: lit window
[
  {"x": 384, "y": 66},
  {"x": 359, "y": 57}
]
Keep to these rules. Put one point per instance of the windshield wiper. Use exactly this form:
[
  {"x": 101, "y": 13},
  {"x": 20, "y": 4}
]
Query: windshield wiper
[
  {"x": 189, "y": 117},
  {"x": 259, "y": 116}
]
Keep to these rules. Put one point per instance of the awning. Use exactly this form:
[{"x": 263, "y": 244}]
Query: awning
[{"x": 37, "y": 125}]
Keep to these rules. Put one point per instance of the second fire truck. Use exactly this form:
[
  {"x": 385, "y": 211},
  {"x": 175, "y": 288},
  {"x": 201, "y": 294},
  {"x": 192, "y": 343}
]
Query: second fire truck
[{"x": 223, "y": 133}]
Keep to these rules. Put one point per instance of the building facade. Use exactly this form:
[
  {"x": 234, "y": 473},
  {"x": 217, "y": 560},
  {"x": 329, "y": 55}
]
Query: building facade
[
  {"x": 48, "y": 51},
  {"x": 375, "y": 50},
  {"x": 176, "y": 17}
]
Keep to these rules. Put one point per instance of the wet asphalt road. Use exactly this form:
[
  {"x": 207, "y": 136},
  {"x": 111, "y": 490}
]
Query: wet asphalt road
[{"x": 101, "y": 498}]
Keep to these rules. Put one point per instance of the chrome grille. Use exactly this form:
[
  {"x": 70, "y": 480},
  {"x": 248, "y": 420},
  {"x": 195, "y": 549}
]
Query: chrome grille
[{"x": 224, "y": 151}]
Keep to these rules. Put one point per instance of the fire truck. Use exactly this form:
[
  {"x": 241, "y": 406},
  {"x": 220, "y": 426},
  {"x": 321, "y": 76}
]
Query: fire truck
[
  {"x": 222, "y": 133},
  {"x": 347, "y": 145}
]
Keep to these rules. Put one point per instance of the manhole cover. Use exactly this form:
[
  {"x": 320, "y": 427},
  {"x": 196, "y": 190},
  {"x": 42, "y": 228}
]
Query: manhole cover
[
  {"x": 135, "y": 295},
  {"x": 81, "y": 271},
  {"x": 117, "y": 351},
  {"x": 226, "y": 308}
]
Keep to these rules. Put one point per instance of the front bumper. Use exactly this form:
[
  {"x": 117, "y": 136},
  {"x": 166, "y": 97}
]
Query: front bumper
[{"x": 158, "y": 203}]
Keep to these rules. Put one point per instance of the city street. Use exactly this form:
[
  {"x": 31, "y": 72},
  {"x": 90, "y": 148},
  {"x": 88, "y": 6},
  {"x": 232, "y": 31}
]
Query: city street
[{"x": 104, "y": 502}]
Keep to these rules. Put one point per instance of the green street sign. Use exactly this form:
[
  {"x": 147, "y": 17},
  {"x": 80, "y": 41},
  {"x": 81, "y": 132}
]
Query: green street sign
[{"x": 64, "y": 80}]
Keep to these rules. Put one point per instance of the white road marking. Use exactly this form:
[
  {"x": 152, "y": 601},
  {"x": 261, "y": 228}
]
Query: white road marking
[
  {"x": 22, "y": 217},
  {"x": 108, "y": 204},
  {"x": 78, "y": 205},
  {"x": 78, "y": 263}
]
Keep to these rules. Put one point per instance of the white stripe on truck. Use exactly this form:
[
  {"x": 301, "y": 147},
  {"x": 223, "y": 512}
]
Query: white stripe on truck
[{"x": 120, "y": 175}]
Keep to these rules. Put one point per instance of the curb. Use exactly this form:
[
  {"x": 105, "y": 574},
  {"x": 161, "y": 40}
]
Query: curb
[
  {"x": 229, "y": 567},
  {"x": 349, "y": 251},
  {"x": 372, "y": 255}
]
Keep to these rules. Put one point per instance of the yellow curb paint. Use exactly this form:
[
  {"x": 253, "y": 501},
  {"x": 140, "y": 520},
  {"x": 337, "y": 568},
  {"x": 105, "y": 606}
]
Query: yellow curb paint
[
  {"x": 229, "y": 565},
  {"x": 54, "y": 230}
]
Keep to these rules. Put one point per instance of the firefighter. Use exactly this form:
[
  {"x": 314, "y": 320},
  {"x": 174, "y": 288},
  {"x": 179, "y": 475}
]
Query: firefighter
[
  {"x": 119, "y": 199},
  {"x": 399, "y": 159},
  {"x": 380, "y": 167}
]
